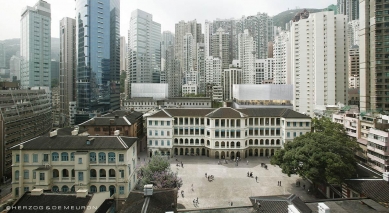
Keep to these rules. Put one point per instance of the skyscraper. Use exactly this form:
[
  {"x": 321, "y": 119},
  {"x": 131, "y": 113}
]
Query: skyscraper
[
  {"x": 350, "y": 8},
  {"x": 35, "y": 45},
  {"x": 221, "y": 47},
  {"x": 207, "y": 38},
  {"x": 261, "y": 29},
  {"x": 246, "y": 47},
  {"x": 14, "y": 67},
  {"x": 123, "y": 54},
  {"x": 281, "y": 55},
  {"x": 319, "y": 61},
  {"x": 181, "y": 30},
  {"x": 67, "y": 70},
  {"x": 98, "y": 56},
  {"x": 144, "y": 62},
  {"x": 373, "y": 56},
  {"x": 167, "y": 40},
  {"x": 2, "y": 55}
]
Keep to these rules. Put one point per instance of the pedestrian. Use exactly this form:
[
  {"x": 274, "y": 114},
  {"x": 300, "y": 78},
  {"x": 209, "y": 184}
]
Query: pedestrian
[
  {"x": 280, "y": 183},
  {"x": 197, "y": 200},
  {"x": 256, "y": 179},
  {"x": 247, "y": 162},
  {"x": 205, "y": 174},
  {"x": 248, "y": 174}
]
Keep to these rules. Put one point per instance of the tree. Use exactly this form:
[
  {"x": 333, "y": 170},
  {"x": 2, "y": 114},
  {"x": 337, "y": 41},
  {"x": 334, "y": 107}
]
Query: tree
[
  {"x": 158, "y": 173},
  {"x": 54, "y": 82},
  {"x": 326, "y": 155},
  {"x": 123, "y": 76}
]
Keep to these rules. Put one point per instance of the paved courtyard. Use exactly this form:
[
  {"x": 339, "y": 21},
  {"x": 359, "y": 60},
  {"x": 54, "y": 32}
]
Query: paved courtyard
[{"x": 231, "y": 183}]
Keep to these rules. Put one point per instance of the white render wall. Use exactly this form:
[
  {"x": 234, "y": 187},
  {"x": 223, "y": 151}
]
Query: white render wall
[
  {"x": 319, "y": 61},
  {"x": 213, "y": 69},
  {"x": 264, "y": 70},
  {"x": 156, "y": 91},
  {"x": 262, "y": 92}
]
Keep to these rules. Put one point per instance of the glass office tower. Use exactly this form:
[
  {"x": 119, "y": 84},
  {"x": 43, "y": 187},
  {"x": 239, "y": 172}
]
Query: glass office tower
[{"x": 98, "y": 56}]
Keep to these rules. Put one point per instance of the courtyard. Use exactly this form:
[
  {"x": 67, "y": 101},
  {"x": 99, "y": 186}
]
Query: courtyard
[{"x": 231, "y": 183}]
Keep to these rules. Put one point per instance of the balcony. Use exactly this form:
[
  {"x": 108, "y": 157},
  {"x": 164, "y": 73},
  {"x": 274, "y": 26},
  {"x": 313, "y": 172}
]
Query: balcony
[
  {"x": 379, "y": 151},
  {"x": 377, "y": 159}
]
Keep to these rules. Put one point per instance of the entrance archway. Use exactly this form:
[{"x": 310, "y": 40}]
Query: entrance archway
[
  {"x": 250, "y": 152},
  {"x": 181, "y": 151},
  {"x": 256, "y": 152},
  {"x": 271, "y": 152},
  {"x": 266, "y": 152},
  {"x": 232, "y": 155},
  {"x": 151, "y": 154},
  {"x": 175, "y": 151},
  {"x": 197, "y": 151},
  {"x": 261, "y": 152},
  {"x": 203, "y": 151},
  {"x": 217, "y": 155},
  {"x": 186, "y": 151},
  {"x": 238, "y": 154},
  {"x": 207, "y": 152},
  {"x": 223, "y": 154},
  {"x": 191, "y": 151}
]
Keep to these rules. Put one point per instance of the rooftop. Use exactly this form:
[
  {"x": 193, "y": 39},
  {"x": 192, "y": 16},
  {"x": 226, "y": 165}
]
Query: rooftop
[
  {"x": 375, "y": 189},
  {"x": 119, "y": 117},
  {"x": 162, "y": 200},
  {"x": 77, "y": 143}
]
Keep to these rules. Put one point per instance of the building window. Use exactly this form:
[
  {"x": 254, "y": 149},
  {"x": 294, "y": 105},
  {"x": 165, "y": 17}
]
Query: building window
[
  {"x": 103, "y": 188},
  {"x": 150, "y": 123},
  {"x": 156, "y": 143},
  {"x": 121, "y": 190},
  {"x": 294, "y": 134},
  {"x": 26, "y": 174},
  {"x": 35, "y": 158},
  {"x": 167, "y": 123},
  {"x": 93, "y": 189},
  {"x": 80, "y": 176},
  {"x": 168, "y": 142},
  {"x": 64, "y": 156},
  {"x": 156, "y": 123},
  {"x": 288, "y": 134},
  {"x": 121, "y": 157},
  {"x": 17, "y": 158},
  {"x": 17, "y": 175},
  {"x": 162, "y": 123},
  {"x": 111, "y": 157},
  {"x": 168, "y": 133},
  {"x": 294, "y": 123},
  {"x": 41, "y": 176},
  {"x": 79, "y": 160},
  {"x": 150, "y": 142},
  {"x": 33, "y": 175},
  {"x": 307, "y": 124},
  {"x": 45, "y": 157},
  {"x": 156, "y": 133},
  {"x": 72, "y": 156},
  {"x": 102, "y": 157},
  {"x": 55, "y": 156},
  {"x": 121, "y": 172},
  {"x": 26, "y": 189},
  {"x": 288, "y": 123},
  {"x": 162, "y": 133},
  {"x": 150, "y": 133},
  {"x": 92, "y": 157},
  {"x": 162, "y": 142}
]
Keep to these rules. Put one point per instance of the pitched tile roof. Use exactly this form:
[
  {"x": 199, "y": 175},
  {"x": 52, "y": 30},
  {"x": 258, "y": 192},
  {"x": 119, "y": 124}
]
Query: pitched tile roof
[
  {"x": 77, "y": 143},
  {"x": 377, "y": 190},
  {"x": 49, "y": 200},
  {"x": 160, "y": 202},
  {"x": 119, "y": 117},
  {"x": 279, "y": 204},
  {"x": 226, "y": 112}
]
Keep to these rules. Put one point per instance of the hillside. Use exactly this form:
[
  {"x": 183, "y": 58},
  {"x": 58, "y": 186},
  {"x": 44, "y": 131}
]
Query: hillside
[
  {"x": 281, "y": 19},
  {"x": 12, "y": 47}
]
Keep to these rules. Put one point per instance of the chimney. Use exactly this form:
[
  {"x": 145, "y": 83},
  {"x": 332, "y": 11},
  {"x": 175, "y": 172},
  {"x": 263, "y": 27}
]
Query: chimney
[
  {"x": 385, "y": 176},
  {"x": 116, "y": 116},
  {"x": 148, "y": 190},
  {"x": 53, "y": 133},
  {"x": 82, "y": 193},
  {"x": 323, "y": 208},
  {"x": 89, "y": 141},
  {"x": 36, "y": 192},
  {"x": 116, "y": 132}
]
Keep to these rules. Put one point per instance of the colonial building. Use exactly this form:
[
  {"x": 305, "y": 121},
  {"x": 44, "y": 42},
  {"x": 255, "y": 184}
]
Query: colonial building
[
  {"x": 224, "y": 132},
  {"x": 71, "y": 163}
]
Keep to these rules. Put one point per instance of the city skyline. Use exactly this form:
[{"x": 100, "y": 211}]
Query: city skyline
[{"x": 161, "y": 10}]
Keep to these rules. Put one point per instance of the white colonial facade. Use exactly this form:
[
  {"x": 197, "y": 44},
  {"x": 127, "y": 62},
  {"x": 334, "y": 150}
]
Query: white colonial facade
[
  {"x": 69, "y": 163},
  {"x": 224, "y": 132}
]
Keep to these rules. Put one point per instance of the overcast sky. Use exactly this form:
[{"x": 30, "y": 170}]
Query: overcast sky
[{"x": 165, "y": 12}]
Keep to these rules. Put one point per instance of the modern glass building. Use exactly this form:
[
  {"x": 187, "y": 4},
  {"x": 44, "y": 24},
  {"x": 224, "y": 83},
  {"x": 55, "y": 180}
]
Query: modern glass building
[
  {"x": 98, "y": 56},
  {"x": 35, "y": 45},
  {"x": 144, "y": 38}
]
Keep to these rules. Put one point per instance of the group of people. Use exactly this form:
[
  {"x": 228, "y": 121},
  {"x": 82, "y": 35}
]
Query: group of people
[
  {"x": 264, "y": 165},
  {"x": 178, "y": 163},
  {"x": 196, "y": 202},
  {"x": 210, "y": 177}
]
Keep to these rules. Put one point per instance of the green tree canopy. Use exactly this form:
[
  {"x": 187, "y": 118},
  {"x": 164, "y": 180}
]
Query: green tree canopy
[
  {"x": 158, "y": 173},
  {"x": 326, "y": 155}
]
